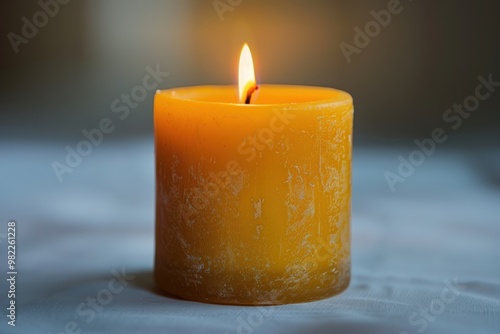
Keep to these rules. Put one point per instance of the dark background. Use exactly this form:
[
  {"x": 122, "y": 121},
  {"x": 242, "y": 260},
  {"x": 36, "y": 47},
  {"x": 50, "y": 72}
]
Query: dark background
[
  {"x": 441, "y": 222},
  {"x": 91, "y": 52}
]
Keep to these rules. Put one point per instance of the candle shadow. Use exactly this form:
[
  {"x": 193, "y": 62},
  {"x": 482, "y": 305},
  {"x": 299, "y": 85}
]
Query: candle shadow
[
  {"x": 140, "y": 280},
  {"x": 144, "y": 280}
]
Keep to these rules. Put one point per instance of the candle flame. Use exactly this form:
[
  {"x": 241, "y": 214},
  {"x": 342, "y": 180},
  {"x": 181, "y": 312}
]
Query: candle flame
[{"x": 246, "y": 74}]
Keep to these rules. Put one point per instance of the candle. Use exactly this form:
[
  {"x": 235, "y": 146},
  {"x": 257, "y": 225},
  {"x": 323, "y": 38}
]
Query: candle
[{"x": 253, "y": 192}]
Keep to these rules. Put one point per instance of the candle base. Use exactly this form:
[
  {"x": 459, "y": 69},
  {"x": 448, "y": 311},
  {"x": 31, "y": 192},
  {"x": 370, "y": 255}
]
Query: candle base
[{"x": 275, "y": 290}]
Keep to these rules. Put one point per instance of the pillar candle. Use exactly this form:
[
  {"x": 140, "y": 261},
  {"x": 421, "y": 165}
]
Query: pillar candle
[{"x": 253, "y": 200}]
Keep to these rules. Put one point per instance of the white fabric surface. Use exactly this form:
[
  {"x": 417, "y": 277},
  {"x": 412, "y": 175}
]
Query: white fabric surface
[{"x": 442, "y": 224}]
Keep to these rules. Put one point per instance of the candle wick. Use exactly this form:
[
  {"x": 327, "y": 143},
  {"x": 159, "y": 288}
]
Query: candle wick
[{"x": 250, "y": 92}]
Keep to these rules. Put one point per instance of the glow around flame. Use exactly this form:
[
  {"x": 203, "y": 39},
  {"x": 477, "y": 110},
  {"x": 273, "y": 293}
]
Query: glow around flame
[{"x": 246, "y": 73}]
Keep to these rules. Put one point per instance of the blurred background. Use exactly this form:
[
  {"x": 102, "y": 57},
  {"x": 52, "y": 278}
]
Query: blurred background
[
  {"x": 441, "y": 222},
  {"x": 429, "y": 57}
]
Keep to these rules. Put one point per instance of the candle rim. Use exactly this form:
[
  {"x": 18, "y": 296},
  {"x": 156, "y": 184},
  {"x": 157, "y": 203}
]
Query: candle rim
[{"x": 336, "y": 97}]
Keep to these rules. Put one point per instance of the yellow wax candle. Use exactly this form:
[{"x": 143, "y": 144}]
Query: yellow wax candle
[{"x": 253, "y": 200}]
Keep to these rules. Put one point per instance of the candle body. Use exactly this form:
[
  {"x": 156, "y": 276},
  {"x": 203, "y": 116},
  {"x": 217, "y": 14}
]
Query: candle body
[{"x": 253, "y": 202}]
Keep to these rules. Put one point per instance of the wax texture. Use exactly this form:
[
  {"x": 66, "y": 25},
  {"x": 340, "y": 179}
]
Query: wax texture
[{"x": 253, "y": 201}]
